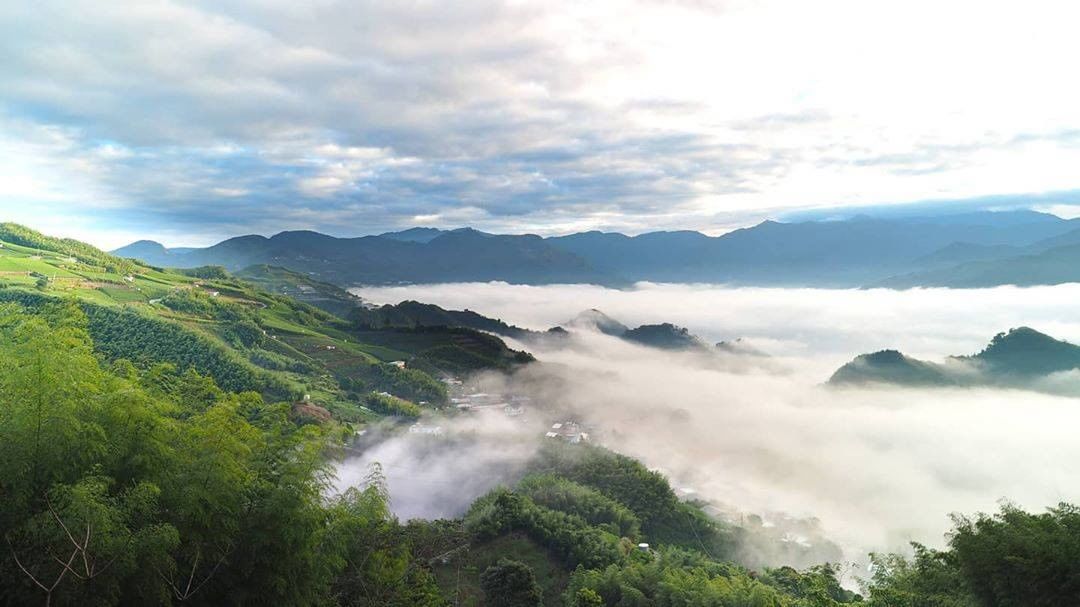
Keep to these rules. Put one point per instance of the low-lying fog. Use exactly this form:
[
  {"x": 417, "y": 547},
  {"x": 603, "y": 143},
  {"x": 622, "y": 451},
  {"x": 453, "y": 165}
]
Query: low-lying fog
[{"x": 878, "y": 467}]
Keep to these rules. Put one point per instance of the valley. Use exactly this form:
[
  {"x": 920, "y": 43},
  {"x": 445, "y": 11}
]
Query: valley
[{"x": 440, "y": 441}]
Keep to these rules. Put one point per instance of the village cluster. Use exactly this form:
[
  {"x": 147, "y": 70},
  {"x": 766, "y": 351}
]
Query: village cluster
[{"x": 513, "y": 406}]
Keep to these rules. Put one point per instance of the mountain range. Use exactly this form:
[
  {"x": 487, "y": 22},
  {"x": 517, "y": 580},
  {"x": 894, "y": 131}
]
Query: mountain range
[{"x": 967, "y": 249}]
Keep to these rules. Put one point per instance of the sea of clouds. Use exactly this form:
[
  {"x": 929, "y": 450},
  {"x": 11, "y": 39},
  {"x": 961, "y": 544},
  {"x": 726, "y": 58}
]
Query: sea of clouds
[{"x": 879, "y": 467}]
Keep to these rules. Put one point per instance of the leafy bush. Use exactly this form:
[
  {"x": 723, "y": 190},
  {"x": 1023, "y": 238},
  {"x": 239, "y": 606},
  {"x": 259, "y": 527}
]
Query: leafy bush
[
  {"x": 1007, "y": 559},
  {"x": 566, "y": 535},
  {"x": 595, "y": 508},
  {"x": 664, "y": 519},
  {"x": 510, "y": 583},
  {"x": 672, "y": 578}
]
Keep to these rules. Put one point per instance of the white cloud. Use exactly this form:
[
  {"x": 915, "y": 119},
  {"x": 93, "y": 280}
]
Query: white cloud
[
  {"x": 879, "y": 467},
  {"x": 546, "y": 115}
]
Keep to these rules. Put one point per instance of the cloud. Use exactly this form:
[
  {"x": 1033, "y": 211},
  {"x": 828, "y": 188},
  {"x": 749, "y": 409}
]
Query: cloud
[
  {"x": 224, "y": 116},
  {"x": 439, "y": 476},
  {"x": 877, "y": 467}
]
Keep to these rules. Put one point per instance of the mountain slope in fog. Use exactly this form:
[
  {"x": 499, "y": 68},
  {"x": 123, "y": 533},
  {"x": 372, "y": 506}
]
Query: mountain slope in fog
[
  {"x": 1018, "y": 358},
  {"x": 842, "y": 253},
  {"x": 598, "y": 321},
  {"x": 665, "y": 336},
  {"x": 891, "y": 366},
  {"x": 415, "y": 315},
  {"x": 1058, "y": 265}
]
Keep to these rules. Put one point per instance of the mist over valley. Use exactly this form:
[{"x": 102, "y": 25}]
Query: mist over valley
[{"x": 877, "y": 465}]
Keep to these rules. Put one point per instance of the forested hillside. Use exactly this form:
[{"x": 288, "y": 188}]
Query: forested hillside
[
  {"x": 124, "y": 485},
  {"x": 1018, "y": 358},
  {"x": 154, "y": 453},
  {"x": 244, "y": 337}
]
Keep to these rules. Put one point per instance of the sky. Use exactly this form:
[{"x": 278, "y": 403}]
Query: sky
[{"x": 190, "y": 122}]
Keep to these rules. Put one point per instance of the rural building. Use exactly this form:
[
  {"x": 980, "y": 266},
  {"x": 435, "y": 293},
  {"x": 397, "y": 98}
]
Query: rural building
[{"x": 569, "y": 431}]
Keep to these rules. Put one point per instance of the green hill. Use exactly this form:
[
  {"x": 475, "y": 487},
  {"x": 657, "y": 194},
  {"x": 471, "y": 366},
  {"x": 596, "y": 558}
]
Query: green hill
[
  {"x": 413, "y": 315},
  {"x": 665, "y": 336},
  {"x": 248, "y": 331},
  {"x": 1025, "y": 352},
  {"x": 1017, "y": 358},
  {"x": 301, "y": 287},
  {"x": 891, "y": 367}
]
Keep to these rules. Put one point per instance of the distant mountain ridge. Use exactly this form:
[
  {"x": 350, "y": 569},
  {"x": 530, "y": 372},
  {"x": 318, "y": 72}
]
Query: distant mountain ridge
[
  {"x": 407, "y": 257},
  {"x": 944, "y": 250}
]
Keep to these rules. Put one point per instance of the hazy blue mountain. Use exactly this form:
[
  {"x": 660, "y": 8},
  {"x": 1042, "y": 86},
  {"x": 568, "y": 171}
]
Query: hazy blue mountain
[
  {"x": 862, "y": 250},
  {"x": 1055, "y": 266},
  {"x": 1072, "y": 237},
  {"x": 651, "y": 256},
  {"x": 963, "y": 252},
  {"x": 460, "y": 255},
  {"x": 820, "y": 253},
  {"x": 1015, "y": 358},
  {"x": 151, "y": 252},
  {"x": 414, "y": 235}
]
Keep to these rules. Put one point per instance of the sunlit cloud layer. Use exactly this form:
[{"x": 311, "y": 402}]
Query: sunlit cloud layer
[{"x": 192, "y": 121}]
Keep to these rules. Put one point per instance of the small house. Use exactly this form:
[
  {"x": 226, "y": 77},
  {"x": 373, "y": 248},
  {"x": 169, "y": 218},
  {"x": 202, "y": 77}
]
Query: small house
[{"x": 568, "y": 431}]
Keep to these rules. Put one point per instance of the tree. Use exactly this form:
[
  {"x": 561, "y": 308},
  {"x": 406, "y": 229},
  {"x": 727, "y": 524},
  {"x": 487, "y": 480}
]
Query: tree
[
  {"x": 42, "y": 282},
  {"x": 587, "y": 597},
  {"x": 510, "y": 583}
]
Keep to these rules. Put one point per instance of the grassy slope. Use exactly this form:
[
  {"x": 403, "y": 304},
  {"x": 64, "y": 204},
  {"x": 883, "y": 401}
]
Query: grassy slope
[
  {"x": 311, "y": 351},
  {"x": 299, "y": 286}
]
